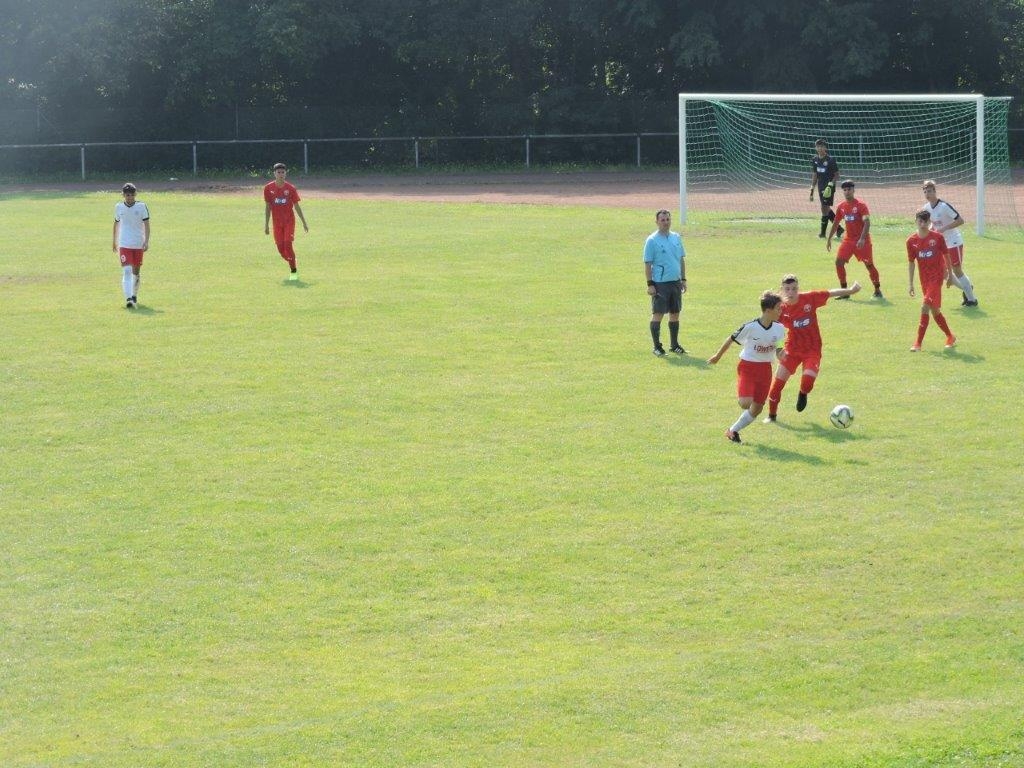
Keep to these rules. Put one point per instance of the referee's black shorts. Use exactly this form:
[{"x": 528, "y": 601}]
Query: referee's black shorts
[{"x": 668, "y": 299}]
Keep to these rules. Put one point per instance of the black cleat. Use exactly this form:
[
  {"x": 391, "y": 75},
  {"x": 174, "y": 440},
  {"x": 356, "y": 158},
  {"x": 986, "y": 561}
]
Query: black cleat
[
  {"x": 801, "y": 401},
  {"x": 678, "y": 350},
  {"x": 877, "y": 295},
  {"x": 732, "y": 436},
  {"x": 964, "y": 302},
  {"x": 770, "y": 418},
  {"x": 129, "y": 304},
  {"x": 844, "y": 298},
  {"x": 659, "y": 351},
  {"x": 971, "y": 303}
]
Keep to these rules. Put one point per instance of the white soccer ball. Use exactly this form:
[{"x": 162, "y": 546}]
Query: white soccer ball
[{"x": 841, "y": 416}]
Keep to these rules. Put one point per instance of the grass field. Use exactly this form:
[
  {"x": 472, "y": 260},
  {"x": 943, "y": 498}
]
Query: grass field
[{"x": 438, "y": 505}]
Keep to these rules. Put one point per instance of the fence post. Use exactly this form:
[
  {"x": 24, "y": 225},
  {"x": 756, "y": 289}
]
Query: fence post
[
  {"x": 416, "y": 151},
  {"x": 82, "y": 154},
  {"x": 195, "y": 159},
  {"x": 638, "y": 150},
  {"x": 527, "y": 137},
  {"x": 305, "y": 156}
]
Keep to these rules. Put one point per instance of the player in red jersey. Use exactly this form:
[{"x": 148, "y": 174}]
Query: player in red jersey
[
  {"x": 803, "y": 340},
  {"x": 282, "y": 201},
  {"x": 855, "y": 215},
  {"x": 927, "y": 249}
]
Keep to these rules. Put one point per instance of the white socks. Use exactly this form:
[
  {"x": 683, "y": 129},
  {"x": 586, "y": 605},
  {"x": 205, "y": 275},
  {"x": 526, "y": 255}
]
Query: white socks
[
  {"x": 965, "y": 285},
  {"x": 128, "y": 283},
  {"x": 744, "y": 419}
]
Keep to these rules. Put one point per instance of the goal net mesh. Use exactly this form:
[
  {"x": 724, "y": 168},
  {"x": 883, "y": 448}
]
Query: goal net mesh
[{"x": 754, "y": 157}]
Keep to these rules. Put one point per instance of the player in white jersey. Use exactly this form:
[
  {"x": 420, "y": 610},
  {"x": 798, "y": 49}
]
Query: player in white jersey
[
  {"x": 131, "y": 241},
  {"x": 947, "y": 221},
  {"x": 760, "y": 339}
]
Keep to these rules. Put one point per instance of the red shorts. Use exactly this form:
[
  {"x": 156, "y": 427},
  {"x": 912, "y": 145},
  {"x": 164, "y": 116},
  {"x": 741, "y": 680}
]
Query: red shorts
[
  {"x": 848, "y": 248},
  {"x": 956, "y": 254},
  {"x": 284, "y": 232},
  {"x": 131, "y": 257},
  {"x": 753, "y": 380},
  {"x": 811, "y": 361},
  {"x": 931, "y": 293}
]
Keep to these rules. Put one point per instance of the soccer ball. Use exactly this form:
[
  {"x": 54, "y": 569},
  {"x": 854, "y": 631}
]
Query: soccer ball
[{"x": 841, "y": 416}]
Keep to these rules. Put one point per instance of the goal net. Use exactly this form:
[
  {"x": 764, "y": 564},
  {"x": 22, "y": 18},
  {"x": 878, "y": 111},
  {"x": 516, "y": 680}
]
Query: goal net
[{"x": 750, "y": 154}]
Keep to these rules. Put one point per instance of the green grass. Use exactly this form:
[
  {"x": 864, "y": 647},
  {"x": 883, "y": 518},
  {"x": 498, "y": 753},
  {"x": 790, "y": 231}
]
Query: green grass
[{"x": 438, "y": 505}]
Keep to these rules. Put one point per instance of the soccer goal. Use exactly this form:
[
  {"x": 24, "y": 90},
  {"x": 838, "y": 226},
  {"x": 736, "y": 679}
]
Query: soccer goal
[{"x": 751, "y": 153}]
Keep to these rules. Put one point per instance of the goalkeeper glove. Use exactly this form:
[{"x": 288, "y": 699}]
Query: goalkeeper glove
[{"x": 829, "y": 189}]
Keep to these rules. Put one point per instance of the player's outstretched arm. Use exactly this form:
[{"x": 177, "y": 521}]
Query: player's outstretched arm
[
  {"x": 835, "y": 293},
  {"x": 721, "y": 351}
]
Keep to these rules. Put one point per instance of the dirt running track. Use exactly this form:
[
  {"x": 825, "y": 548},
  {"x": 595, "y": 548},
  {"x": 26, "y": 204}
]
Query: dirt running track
[{"x": 646, "y": 190}]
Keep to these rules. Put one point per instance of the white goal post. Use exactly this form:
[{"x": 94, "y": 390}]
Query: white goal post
[{"x": 751, "y": 153}]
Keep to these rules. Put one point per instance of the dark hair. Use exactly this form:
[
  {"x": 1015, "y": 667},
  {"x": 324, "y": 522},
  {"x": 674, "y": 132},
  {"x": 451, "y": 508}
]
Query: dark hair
[
  {"x": 790, "y": 278},
  {"x": 663, "y": 210},
  {"x": 280, "y": 165},
  {"x": 924, "y": 214},
  {"x": 821, "y": 143},
  {"x": 129, "y": 187},
  {"x": 847, "y": 183},
  {"x": 770, "y": 300}
]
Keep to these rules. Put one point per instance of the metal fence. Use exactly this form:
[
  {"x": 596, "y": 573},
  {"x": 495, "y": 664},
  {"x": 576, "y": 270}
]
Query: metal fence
[
  {"x": 528, "y": 150},
  {"x": 654, "y": 148}
]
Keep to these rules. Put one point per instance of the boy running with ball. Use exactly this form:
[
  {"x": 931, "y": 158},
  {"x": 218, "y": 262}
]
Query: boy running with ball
[
  {"x": 803, "y": 341},
  {"x": 760, "y": 339}
]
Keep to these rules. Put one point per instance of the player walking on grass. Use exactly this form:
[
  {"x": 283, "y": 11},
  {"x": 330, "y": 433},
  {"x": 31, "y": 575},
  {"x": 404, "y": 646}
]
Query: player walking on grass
[
  {"x": 927, "y": 249},
  {"x": 282, "y": 200},
  {"x": 947, "y": 221},
  {"x": 799, "y": 316},
  {"x": 131, "y": 241},
  {"x": 824, "y": 174},
  {"x": 760, "y": 339},
  {"x": 664, "y": 266},
  {"x": 855, "y": 214}
]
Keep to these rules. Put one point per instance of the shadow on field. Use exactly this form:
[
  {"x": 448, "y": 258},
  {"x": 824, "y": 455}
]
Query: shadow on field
[
  {"x": 972, "y": 313},
  {"x": 300, "y": 283},
  {"x": 956, "y": 354},
  {"x": 781, "y": 454},
  {"x": 688, "y": 361},
  {"x": 143, "y": 310}
]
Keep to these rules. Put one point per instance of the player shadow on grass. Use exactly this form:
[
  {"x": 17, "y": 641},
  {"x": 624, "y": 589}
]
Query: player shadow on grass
[
  {"x": 972, "y": 313},
  {"x": 687, "y": 360},
  {"x": 770, "y": 451},
  {"x": 142, "y": 309},
  {"x": 883, "y": 302},
  {"x": 812, "y": 429},
  {"x": 300, "y": 283},
  {"x": 956, "y": 354}
]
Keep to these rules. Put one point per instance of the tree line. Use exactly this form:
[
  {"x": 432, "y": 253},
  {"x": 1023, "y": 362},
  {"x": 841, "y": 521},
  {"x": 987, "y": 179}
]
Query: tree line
[{"x": 393, "y": 67}]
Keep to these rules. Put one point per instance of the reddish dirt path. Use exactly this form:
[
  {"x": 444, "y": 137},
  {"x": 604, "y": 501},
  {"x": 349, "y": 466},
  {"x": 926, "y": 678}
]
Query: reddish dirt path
[{"x": 646, "y": 190}]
